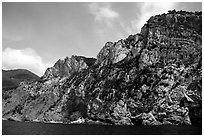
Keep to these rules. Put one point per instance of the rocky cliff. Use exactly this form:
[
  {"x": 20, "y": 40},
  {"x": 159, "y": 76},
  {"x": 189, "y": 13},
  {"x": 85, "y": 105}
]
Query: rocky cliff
[
  {"x": 150, "y": 78},
  {"x": 68, "y": 66}
]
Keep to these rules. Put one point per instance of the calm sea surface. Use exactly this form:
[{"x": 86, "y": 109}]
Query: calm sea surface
[{"x": 28, "y": 128}]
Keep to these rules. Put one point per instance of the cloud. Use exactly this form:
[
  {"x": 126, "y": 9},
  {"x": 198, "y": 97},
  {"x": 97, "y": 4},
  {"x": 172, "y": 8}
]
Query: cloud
[
  {"x": 103, "y": 13},
  {"x": 143, "y": 12},
  {"x": 149, "y": 9},
  {"x": 106, "y": 18},
  {"x": 25, "y": 59}
]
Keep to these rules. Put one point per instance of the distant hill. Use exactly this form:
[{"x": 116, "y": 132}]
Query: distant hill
[{"x": 12, "y": 78}]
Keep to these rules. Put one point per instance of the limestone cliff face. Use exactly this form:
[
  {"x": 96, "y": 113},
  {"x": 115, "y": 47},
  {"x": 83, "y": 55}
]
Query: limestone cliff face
[
  {"x": 67, "y": 67},
  {"x": 150, "y": 78},
  {"x": 112, "y": 52},
  {"x": 167, "y": 38},
  {"x": 174, "y": 38},
  {"x": 115, "y": 52}
]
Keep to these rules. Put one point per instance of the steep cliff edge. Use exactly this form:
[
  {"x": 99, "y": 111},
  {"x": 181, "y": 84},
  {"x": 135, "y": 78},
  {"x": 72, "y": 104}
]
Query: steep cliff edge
[{"x": 151, "y": 78}]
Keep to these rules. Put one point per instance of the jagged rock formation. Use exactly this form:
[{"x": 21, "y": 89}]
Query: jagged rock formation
[
  {"x": 151, "y": 78},
  {"x": 114, "y": 52},
  {"x": 68, "y": 67}
]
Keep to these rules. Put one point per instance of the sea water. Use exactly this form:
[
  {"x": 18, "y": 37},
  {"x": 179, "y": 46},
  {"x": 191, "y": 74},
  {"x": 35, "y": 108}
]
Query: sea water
[{"x": 37, "y": 128}]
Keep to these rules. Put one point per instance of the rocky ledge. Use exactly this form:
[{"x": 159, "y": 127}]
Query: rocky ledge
[{"x": 150, "y": 78}]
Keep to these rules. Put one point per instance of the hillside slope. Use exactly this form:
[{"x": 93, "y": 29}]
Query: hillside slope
[{"x": 12, "y": 78}]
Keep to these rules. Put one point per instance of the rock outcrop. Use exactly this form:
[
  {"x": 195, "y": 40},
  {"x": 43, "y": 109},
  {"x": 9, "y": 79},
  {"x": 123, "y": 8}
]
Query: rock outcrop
[
  {"x": 68, "y": 67},
  {"x": 151, "y": 78},
  {"x": 115, "y": 52}
]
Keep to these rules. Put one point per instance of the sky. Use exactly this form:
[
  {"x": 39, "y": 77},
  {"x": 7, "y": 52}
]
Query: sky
[{"x": 36, "y": 35}]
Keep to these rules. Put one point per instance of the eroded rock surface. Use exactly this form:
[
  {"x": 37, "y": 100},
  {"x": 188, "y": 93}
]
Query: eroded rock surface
[{"x": 151, "y": 78}]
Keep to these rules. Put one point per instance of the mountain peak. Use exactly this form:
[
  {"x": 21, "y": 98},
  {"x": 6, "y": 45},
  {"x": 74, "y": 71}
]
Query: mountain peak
[
  {"x": 68, "y": 66},
  {"x": 167, "y": 32},
  {"x": 150, "y": 78}
]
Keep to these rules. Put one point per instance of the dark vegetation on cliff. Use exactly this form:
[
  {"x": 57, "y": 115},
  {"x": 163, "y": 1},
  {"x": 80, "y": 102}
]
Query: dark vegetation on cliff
[
  {"x": 12, "y": 78},
  {"x": 151, "y": 78}
]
